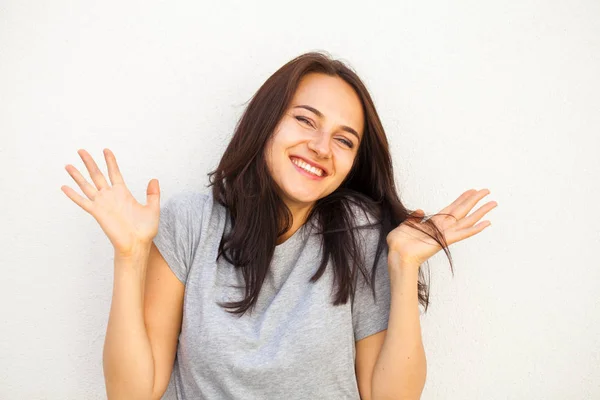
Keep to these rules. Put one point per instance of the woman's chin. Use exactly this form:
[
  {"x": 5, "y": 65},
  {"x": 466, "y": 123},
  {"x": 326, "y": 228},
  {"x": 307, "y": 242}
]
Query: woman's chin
[{"x": 302, "y": 197}]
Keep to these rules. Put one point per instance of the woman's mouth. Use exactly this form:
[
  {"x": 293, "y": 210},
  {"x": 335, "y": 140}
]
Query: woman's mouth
[{"x": 307, "y": 170}]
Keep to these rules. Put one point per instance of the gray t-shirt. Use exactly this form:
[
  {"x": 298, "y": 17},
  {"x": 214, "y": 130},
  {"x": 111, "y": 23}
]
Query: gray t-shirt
[{"x": 295, "y": 344}]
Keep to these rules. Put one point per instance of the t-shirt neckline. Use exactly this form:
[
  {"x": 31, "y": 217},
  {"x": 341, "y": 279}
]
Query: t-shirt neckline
[{"x": 291, "y": 240}]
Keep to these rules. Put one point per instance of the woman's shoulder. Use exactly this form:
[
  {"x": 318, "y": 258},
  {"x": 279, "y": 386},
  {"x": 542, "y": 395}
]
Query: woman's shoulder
[
  {"x": 190, "y": 196},
  {"x": 187, "y": 199},
  {"x": 192, "y": 204}
]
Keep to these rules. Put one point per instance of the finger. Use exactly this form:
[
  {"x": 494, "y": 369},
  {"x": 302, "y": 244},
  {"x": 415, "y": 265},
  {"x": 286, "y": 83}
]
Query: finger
[
  {"x": 468, "y": 232},
  {"x": 114, "y": 174},
  {"x": 95, "y": 173},
  {"x": 77, "y": 198},
  {"x": 450, "y": 208},
  {"x": 467, "y": 205},
  {"x": 87, "y": 188},
  {"x": 476, "y": 216},
  {"x": 153, "y": 194}
]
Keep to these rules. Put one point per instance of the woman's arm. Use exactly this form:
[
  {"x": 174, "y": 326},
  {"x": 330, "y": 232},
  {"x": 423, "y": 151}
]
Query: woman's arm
[
  {"x": 401, "y": 368},
  {"x": 127, "y": 356}
]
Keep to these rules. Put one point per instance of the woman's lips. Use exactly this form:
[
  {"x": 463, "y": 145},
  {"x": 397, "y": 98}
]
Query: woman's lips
[{"x": 306, "y": 173}]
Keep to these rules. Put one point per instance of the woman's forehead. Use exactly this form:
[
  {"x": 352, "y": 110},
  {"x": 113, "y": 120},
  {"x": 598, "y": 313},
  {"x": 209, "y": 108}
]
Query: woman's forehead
[{"x": 333, "y": 97}]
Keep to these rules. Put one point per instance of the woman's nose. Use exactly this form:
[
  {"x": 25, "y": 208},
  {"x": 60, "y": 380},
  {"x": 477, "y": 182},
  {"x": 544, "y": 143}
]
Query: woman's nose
[{"x": 321, "y": 145}]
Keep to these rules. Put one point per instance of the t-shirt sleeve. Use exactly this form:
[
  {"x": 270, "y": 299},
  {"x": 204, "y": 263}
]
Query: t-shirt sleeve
[
  {"x": 370, "y": 315},
  {"x": 179, "y": 231}
]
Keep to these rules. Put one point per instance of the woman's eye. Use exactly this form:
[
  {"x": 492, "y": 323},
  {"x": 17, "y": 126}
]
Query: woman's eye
[
  {"x": 347, "y": 143},
  {"x": 305, "y": 120}
]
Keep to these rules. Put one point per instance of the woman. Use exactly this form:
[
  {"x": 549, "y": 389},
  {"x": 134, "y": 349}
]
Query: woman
[{"x": 297, "y": 276}]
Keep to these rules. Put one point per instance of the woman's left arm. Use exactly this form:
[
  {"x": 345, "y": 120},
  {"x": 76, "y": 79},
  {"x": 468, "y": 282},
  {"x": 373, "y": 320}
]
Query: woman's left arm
[{"x": 401, "y": 368}]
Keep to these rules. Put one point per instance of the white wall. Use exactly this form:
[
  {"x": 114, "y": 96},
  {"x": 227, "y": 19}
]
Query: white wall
[{"x": 473, "y": 94}]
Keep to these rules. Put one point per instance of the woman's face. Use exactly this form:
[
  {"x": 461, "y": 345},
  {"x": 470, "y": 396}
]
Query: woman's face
[{"x": 320, "y": 131}]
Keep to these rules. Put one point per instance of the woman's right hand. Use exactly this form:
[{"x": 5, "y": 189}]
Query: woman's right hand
[{"x": 129, "y": 225}]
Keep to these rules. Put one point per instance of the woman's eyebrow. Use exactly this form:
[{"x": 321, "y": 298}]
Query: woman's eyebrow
[{"x": 320, "y": 115}]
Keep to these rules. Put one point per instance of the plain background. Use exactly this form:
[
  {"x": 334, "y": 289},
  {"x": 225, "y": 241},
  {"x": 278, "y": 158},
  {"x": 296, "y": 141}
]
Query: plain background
[{"x": 472, "y": 94}]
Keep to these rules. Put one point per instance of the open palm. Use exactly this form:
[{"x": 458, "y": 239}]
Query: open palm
[
  {"x": 414, "y": 247},
  {"x": 128, "y": 224}
]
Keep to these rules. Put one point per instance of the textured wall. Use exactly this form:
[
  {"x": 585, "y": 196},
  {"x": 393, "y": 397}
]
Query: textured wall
[{"x": 472, "y": 94}]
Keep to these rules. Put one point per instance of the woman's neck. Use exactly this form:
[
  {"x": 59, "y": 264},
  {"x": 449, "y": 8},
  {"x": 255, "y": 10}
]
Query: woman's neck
[{"x": 298, "y": 219}]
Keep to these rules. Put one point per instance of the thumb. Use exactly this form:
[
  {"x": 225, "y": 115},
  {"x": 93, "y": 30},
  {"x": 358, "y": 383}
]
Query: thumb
[{"x": 153, "y": 194}]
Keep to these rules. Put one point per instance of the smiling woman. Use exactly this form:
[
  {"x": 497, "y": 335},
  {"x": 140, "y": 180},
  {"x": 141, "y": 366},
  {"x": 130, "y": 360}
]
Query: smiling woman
[
  {"x": 308, "y": 176},
  {"x": 276, "y": 283}
]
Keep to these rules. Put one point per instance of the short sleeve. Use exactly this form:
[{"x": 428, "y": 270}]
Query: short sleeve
[
  {"x": 179, "y": 231},
  {"x": 370, "y": 315}
]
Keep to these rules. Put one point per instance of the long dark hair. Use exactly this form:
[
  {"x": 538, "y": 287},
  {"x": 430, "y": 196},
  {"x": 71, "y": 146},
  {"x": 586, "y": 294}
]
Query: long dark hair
[{"x": 242, "y": 183}]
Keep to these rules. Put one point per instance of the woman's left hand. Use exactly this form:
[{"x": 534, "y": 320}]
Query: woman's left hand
[{"x": 413, "y": 247}]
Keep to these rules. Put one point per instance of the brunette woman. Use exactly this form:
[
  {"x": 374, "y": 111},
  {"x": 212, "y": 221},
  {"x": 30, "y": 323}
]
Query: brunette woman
[{"x": 296, "y": 276}]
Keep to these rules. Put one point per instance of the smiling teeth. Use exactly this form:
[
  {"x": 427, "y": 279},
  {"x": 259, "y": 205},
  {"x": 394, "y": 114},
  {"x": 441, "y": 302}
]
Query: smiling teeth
[{"x": 307, "y": 167}]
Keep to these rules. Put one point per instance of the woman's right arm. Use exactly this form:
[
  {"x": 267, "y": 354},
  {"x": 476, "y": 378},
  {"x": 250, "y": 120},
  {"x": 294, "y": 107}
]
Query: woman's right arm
[
  {"x": 143, "y": 327},
  {"x": 147, "y": 302},
  {"x": 127, "y": 358}
]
